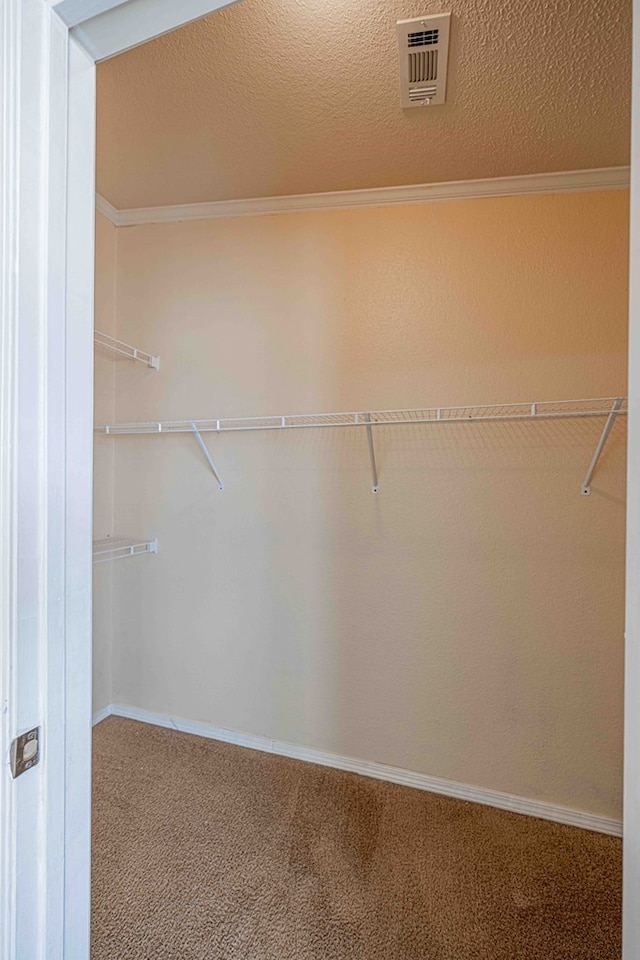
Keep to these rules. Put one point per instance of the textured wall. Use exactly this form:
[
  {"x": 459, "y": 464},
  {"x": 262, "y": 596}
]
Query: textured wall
[
  {"x": 467, "y": 621},
  {"x": 310, "y": 87},
  {"x": 104, "y": 459}
]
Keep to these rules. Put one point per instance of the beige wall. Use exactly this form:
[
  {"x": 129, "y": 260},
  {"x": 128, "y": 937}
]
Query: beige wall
[
  {"x": 466, "y": 622},
  {"x": 104, "y": 460}
]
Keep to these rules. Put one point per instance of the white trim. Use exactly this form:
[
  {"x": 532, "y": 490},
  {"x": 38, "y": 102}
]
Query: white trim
[
  {"x": 568, "y": 181},
  {"x": 46, "y": 272},
  {"x": 73, "y": 12},
  {"x": 78, "y": 515},
  {"x": 11, "y": 107},
  {"x": 102, "y": 714},
  {"x": 119, "y": 26},
  {"x": 107, "y": 210},
  {"x": 369, "y": 768},
  {"x": 631, "y": 851}
]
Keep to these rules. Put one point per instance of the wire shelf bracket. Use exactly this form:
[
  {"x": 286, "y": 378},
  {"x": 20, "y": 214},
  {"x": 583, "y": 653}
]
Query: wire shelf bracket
[
  {"x": 608, "y": 407},
  {"x": 604, "y": 436},
  {"x": 208, "y": 456},
  {"x": 113, "y": 548},
  {"x": 372, "y": 452},
  {"x": 118, "y": 350}
]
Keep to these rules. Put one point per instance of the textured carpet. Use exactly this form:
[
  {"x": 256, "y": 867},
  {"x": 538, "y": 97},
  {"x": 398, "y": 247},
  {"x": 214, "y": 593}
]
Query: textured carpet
[{"x": 205, "y": 851}]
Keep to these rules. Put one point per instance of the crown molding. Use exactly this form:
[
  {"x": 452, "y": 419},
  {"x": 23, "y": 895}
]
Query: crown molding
[
  {"x": 568, "y": 181},
  {"x": 108, "y": 210}
]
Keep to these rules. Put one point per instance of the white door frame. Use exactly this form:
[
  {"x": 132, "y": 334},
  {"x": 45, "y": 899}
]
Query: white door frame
[
  {"x": 48, "y": 51},
  {"x": 631, "y": 889}
]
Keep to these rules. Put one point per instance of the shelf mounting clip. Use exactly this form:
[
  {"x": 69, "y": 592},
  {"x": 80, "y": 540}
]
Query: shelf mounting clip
[
  {"x": 208, "y": 456},
  {"x": 611, "y": 419}
]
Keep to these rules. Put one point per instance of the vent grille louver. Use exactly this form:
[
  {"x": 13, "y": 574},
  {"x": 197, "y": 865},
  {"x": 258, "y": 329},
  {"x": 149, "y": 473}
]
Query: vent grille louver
[
  {"x": 423, "y": 47},
  {"x": 423, "y": 66},
  {"x": 422, "y": 38},
  {"x": 419, "y": 94}
]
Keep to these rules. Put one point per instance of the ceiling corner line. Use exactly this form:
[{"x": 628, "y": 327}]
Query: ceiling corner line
[
  {"x": 108, "y": 210},
  {"x": 566, "y": 181}
]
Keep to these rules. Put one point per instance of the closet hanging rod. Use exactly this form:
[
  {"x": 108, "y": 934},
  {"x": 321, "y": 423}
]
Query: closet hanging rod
[
  {"x": 117, "y": 349},
  {"x": 537, "y": 410}
]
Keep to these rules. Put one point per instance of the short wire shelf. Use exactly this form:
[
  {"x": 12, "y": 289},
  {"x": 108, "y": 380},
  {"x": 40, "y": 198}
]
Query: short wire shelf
[
  {"x": 119, "y": 548},
  {"x": 113, "y": 349}
]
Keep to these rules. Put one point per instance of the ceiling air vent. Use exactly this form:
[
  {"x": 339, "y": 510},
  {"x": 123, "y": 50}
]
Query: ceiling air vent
[{"x": 423, "y": 48}]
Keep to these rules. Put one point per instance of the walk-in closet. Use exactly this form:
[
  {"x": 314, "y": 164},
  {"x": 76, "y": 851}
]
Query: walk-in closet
[{"x": 361, "y": 294}]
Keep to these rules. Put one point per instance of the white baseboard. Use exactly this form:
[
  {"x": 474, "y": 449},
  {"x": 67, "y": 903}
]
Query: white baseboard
[
  {"x": 379, "y": 771},
  {"x": 102, "y": 713}
]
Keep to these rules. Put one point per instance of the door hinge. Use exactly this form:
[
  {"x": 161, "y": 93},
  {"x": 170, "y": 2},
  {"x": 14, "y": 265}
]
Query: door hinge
[{"x": 25, "y": 752}]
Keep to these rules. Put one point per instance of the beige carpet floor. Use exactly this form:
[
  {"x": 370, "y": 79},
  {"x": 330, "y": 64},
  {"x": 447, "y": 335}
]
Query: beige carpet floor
[{"x": 205, "y": 851}]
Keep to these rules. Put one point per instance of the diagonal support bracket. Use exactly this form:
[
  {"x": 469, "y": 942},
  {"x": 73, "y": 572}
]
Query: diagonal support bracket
[
  {"x": 372, "y": 452},
  {"x": 208, "y": 456},
  {"x": 613, "y": 413}
]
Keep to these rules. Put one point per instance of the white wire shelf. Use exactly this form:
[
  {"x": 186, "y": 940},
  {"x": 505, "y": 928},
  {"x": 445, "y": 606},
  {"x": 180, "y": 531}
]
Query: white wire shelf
[
  {"x": 543, "y": 410},
  {"x": 609, "y": 407},
  {"x": 113, "y": 548},
  {"x": 113, "y": 349}
]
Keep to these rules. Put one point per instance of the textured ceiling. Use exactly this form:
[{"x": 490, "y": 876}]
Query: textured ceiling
[{"x": 273, "y": 97}]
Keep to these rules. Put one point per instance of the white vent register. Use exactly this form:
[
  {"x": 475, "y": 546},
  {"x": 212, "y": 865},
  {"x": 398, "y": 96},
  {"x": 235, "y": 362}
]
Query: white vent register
[{"x": 423, "y": 50}]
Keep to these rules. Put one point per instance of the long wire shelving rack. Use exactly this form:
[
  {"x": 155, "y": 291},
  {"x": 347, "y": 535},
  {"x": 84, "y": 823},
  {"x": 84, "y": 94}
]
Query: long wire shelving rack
[{"x": 608, "y": 407}]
